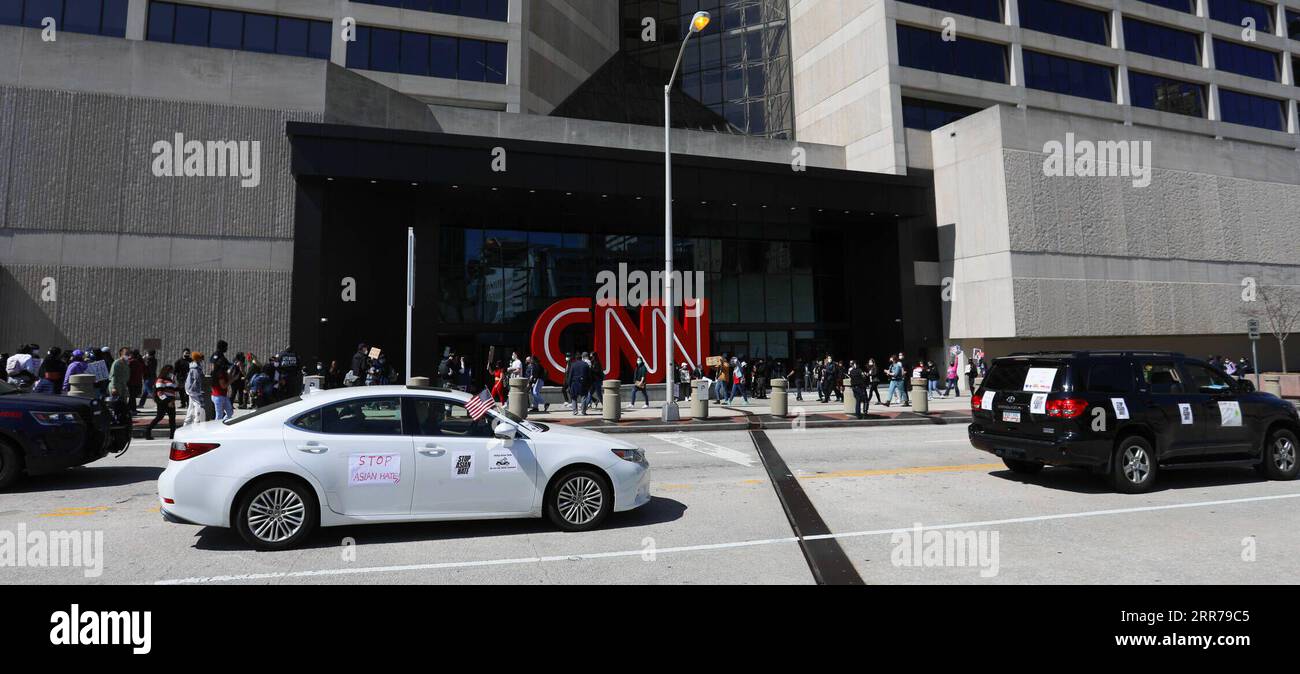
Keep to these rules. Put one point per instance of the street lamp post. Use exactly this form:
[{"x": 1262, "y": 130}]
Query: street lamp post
[{"x": 698, "y": 23}]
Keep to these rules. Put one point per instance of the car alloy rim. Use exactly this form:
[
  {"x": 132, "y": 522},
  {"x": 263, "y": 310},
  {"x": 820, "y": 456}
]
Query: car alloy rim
[
  {"x": 1283, "y": 454},
  {"x": 579, "y": 500},
  {"x": 276, "y": 515},
  {"x": 1136, "y": 466}
]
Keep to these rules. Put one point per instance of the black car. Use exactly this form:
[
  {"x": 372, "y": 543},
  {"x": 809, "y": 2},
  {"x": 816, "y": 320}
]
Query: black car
[
  {"x": 1129, "y": 415},
  {"x": 45, "y": 433}
]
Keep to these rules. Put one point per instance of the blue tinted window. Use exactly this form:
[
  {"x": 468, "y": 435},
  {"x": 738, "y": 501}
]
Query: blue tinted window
[
  {"x": 967, "y": 57},
  {"x": 359, "y": 50},
  {"x": 1243, "y": 60},
  {"x": 162, "y": 16},
  {"x": 1068, "y": 76},
  {"x": 1233, "y": 11},
  {"x": 11, "y": 13},
  {"x": 1180, "y": 5},
  {"x": 1065, "y": 19},
  {"x": 471, "y": 60},
  {"x": 259, "y": 33},
  {"x": 1155, "y": 40},
  {"x": 318, "y": 43},
  {"x": 495, "y": 62},
  {"x": 36, "y": 11},
  {"x": 1293, "y": 25},
  {"x": 227, "y": 30},
  {"x": 496, "y": 10},
  {"x": 81, "y": 16},
  {"x": 1251, "y": 110},
  {"x": 1166, "y": 95},
  {"x": 385, "y": 49},
  {"x": 443, "y": 56},
  {"x": 114, "y": 21},
  {"x": 191, "y": 25},
  {"x": 989, "y": 10},
  {"x": 928, "y": 115},
  {"x": 291, "y": 37},
  {"x": 415, "y": 54}
]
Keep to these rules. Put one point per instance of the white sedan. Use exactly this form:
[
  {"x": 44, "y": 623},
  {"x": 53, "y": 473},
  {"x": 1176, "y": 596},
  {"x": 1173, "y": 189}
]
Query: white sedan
[{"x": 392, "y": 454}]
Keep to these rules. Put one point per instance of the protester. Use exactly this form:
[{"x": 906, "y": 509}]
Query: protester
[
  {"x": 579, "y": 371},
  {"x": 77, "y": 365},
  {"x": 639, "y": 381},
  {"x": 148, "y": 376},
  {"x": 195, "y": 414},
  {"x": 221, "y": 407},
  {"x": 164, "y": 395},
  {"x": 50, "y": 373},
  {"x": 180, "y": 369}
]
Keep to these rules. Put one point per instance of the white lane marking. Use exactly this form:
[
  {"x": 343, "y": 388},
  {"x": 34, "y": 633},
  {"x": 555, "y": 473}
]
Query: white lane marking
[
  {"x": 697, "y": 548},
  {"x": 708, "y": 448},
  {"x": 463, "y": 565}
]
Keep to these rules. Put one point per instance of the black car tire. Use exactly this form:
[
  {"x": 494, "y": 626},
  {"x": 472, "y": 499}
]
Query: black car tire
[
  {"x": 1024, "y": 467},
  {"x": 11, "y": 465},
  {"x": 1134, "y": 467},
  {"x": 1280, "y": 455},
  {"x": 578, "y": 483},
  {"x": 271, "y": 490}
]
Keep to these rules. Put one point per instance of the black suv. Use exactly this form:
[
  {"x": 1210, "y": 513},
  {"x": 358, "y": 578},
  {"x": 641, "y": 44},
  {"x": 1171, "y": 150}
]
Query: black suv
[
  {"x": 45, "y": 433},
  {"x": 1129, "y": 415}
]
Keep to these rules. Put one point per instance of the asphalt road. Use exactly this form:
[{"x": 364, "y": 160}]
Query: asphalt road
[{"x": 716, "y": 518}]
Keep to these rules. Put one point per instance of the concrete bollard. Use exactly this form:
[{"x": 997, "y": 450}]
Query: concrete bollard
[
  {"x": 850, "y": 400},
  {"x": 700, "y": 399},
  {"x": 781, "y": 398},
  {"x": 418, "y": 382},
  {"x": 313, "y": 384},
  {"x": 1269, "y": 383},
  {"x": 920, "y": 395},
  {"x": 611, "y": 400},
  {"x": 517, "y": 402},
  {"x": 83, "y": 386}
]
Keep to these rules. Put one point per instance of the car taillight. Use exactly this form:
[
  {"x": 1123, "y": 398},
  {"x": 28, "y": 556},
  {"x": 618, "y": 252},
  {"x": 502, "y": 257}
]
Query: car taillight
[
  {"x": 188, "y": 450},
  {"x": 976, "y": 402},
  {"x": 1066, "y": 408}
]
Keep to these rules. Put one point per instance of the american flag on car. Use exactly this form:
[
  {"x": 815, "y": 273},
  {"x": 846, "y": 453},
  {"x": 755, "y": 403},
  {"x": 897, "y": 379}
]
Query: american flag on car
[{"x": 480, "y": 404}]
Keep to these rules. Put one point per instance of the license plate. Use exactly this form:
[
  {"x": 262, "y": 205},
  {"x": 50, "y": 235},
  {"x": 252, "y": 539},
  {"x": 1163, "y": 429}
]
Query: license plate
[{"x": 1011, "y": 417}]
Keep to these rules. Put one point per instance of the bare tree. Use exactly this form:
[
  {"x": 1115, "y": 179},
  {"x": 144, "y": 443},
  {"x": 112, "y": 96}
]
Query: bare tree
[{"x": 1278, "y": 311}]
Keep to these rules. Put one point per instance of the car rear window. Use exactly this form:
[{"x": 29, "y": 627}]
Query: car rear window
[
  {"x": 1013, "y": 374},
  {"x": 1115, "y": 376},
  {"x": 263, "y": 410}
]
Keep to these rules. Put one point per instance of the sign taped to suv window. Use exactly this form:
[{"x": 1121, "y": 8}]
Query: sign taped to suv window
[
  {"x": 1039, "y": 379},
  {"x": 1121, "y": 408},
  {"x": 1230, "y": 413},
  {"x": 986, "y": 403}
]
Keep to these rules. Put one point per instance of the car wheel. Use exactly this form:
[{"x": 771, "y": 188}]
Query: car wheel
[
  {"x": 1134, "y": 469},
  {"x": 1280, "y": 455},
  {"x": 276, "y": 514},
  {"x": 579, "y": 501},
  {"x": 1023, "y": 467},
  {"x": 11, "y": 465}
]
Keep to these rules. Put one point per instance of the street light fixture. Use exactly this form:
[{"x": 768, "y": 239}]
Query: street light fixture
[{"x": 670, "y": 413}]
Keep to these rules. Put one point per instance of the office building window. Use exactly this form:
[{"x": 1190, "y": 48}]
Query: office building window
[
  {"x": 1251, "y": 110},
  {"x": 1178, "y": 5},
  {"x": 1249, "y": 61},
  {"x": 930, "y": 115},
  {"x": 93, "y": 17},
  {"x": 1234, "y": 11},
  {"x": 1293, "y": 25},
  {"x": 495, "y": 10},
  {"x": 1068, "y": 76},
  {"x": 245, "y": 31},
  {"x": 1066, "y": 20},
  {"x": 1166, "y": 95},
  {"x": 1162, "y": 42},
  {"x": 967, "y": 57},
  {"x": 989, "y": 10},
  {"x": 397, "y": 51}
]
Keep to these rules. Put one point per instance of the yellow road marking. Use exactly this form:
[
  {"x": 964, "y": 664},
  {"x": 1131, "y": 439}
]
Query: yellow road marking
[
  {"x": 76, "y": 512},
  {"x": 917, "y": 470}
]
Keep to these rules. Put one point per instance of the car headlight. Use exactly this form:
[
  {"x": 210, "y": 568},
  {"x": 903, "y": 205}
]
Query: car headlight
[
  {"x": 54, "y": 418},
  {"x": 635, "y": 455}
]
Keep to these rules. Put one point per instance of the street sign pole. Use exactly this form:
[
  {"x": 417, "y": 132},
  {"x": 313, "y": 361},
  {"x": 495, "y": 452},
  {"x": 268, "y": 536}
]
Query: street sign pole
[
  {"x": 1252, "y": 330},
  {"x": 410, "y": 293}
]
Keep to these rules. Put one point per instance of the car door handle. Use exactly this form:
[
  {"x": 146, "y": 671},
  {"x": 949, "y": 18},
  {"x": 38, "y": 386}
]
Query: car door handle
[
  {"x": 313, "y": 448},
  {"x": 433, "y": 451}
]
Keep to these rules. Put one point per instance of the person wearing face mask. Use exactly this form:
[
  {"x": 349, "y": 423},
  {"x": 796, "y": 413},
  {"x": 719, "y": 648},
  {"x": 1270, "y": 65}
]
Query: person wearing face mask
[{"x": 639, "y": 382}]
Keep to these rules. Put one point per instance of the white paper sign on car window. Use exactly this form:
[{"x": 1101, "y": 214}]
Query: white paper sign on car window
[
  {"x": 1121, "y": 408},
  {"x": 374, "y": 469},
  {"x": 1230, "y": 413},
  {"x": 1185, "y": 413},
  {"x": 1038, "y": 404},
  {"x": 986, "y": 403},
  {"x": 1039, "y": 379}
]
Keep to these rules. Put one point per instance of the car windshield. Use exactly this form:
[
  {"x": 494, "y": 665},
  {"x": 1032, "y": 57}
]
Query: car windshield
[
  {"x": 263, "y": 410},
  {"x": 6, "y": 388}
]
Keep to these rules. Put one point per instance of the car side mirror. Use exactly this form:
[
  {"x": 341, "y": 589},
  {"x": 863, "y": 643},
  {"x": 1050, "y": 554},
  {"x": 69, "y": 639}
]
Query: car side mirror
[{"x": 505, "y": 431}]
